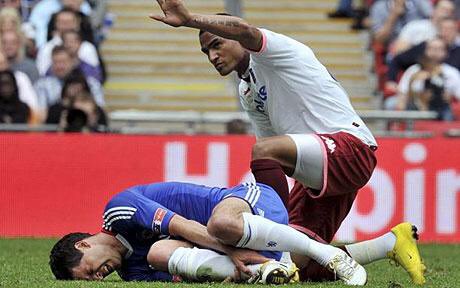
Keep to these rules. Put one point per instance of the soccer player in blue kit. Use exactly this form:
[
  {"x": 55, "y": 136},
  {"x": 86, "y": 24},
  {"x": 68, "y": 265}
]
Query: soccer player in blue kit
[{"x": 232, "y": 221}]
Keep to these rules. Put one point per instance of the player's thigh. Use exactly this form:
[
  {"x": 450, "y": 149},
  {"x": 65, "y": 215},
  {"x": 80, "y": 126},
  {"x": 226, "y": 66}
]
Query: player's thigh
[
  {"x": 279, "y": 148},
  {"x": 309, "y": 166},
  {"x": 161, "y": 251}
]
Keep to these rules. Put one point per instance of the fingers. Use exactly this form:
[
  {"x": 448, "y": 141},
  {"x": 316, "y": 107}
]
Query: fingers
[
  {"x": 243, "y": 269},
  {"x": 157, "y": 17},
  {"x": 257, "y": 259}
]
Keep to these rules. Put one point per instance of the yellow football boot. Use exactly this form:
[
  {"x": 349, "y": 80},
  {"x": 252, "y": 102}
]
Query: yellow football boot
[
  {"x": 405, "y": 252},
  {"x": 276, "y": 273}
]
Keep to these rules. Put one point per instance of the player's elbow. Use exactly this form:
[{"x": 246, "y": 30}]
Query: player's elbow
[{"x": 250, "y": 36}]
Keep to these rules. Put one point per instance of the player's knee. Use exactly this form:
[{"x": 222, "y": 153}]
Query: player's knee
[
  {"x": 224, "y": 228},
  {"x": 158, "y": 256}
]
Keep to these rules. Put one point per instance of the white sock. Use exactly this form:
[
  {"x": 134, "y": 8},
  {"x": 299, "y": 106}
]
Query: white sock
[
  {"x": 203, "y": 265},
  {"x": 372, "y": 250},
  {"x": 263, "y": 234}
]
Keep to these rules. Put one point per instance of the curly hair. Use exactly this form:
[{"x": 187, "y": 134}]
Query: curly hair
[{"x": 64, "y": 256}]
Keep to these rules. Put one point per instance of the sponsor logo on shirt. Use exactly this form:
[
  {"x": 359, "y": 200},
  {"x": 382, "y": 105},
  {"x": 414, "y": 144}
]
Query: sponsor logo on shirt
[
  {"x": 330, "y": 144},
  {"x": 158, "y": 217},
  {"x": 262, "y": 96}
]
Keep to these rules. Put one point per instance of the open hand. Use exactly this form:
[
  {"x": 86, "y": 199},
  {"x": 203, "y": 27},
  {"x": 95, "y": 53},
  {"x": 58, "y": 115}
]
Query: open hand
[{"x": 175, "y": 13}]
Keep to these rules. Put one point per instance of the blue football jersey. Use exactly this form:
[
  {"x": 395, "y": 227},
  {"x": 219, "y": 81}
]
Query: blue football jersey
[{"x": 140, "y": 216}]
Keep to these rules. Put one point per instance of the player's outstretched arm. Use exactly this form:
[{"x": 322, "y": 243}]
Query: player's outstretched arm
[{"x": 176, "y": 14}]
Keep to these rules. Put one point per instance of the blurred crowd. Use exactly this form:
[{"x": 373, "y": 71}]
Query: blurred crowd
[
  {"x": 51, "y": 70},
  {"x": 416, "y": 46}
]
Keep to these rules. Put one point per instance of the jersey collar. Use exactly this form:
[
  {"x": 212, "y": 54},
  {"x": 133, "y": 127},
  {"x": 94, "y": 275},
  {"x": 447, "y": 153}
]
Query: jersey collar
[{"x": 126, "y": 244}]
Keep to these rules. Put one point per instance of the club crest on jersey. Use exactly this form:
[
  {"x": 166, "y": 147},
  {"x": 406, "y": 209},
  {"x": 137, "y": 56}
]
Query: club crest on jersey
[
  {"x": 330, "y": 144},
  {"x": 158, "y": 217},
  {"x": 272, "y": 244},
  {"x": 262, "y": 96}
]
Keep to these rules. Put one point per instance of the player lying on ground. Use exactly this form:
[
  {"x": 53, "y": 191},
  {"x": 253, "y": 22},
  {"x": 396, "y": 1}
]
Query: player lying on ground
[
  {"x": 233, "y": 219},
  {"x": 303, "y": 119},
  {"x": 136, "y": 218}
]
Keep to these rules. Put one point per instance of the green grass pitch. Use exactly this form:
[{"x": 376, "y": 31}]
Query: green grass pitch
[{"x": 24, "y": 263}]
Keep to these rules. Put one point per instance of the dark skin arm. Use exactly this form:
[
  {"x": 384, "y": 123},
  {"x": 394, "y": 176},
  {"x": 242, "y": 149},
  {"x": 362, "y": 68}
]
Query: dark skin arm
[{"x": 176, "y": 14}]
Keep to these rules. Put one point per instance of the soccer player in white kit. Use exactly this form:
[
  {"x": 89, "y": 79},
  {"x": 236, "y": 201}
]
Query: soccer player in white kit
[{"x": 304, "y": 122}]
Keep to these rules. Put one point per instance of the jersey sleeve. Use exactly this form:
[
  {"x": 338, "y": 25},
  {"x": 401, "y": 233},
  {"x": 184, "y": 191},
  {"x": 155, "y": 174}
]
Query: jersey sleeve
[
  {"x": 130, "y": 211},
  {"x": 280, "y": 51}
]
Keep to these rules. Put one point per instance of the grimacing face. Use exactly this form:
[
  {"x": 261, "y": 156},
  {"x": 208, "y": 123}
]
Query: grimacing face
[
  {"x": 98, "y": 261},
  {"x": 224, "y": 54}
]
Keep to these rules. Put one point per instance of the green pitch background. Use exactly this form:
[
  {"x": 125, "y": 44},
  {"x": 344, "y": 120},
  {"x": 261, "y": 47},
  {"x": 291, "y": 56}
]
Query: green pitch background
[{"x": 24, "y": 263}]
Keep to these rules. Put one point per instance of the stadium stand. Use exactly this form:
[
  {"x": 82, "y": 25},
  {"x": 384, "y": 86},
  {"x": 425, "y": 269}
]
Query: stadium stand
[{"x": 154, "y": 67}]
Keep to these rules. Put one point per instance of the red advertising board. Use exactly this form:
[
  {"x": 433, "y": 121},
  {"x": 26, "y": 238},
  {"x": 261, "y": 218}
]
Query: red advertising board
[{"x": 52, "y": 184}]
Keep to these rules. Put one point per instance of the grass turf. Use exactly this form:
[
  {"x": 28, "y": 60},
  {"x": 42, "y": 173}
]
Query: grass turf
[{"x": 24, "y": 263}]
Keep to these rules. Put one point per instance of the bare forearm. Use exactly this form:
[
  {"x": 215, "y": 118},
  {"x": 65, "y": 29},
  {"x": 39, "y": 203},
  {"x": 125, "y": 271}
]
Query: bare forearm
[{"x": 228, "y": 27}]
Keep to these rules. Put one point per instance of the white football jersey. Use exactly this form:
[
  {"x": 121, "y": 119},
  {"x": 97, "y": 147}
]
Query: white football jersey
[{"x": 291, "y": 92}]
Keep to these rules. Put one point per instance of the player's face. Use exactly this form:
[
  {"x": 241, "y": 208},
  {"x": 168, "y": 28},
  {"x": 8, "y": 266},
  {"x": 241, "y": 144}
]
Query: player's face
[
  {"x": 224, "y": 54},
  {"x": 98, "y": 262}
]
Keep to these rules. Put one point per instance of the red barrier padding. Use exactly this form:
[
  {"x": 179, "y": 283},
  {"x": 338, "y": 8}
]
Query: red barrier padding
[{"x": 53, "y": 184}]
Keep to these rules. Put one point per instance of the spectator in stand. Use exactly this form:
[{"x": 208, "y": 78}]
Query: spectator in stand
[
  {"x": 26, "y": 90},
  {"x": 430, "y": 85},
  {"x": 457, "y": 9},
  {"x": 74, "y": 85},
  {"x": 10, "y": 20},
  {"x": 389, "y": 17},
  {"x": 49, "y": 87},
  {"x": 99, "y": 17},
  {"x": 72, "y": 42},
  {"x": 66, "y": 20},
  {"x": 12, "y": 110},
  {"x": 83, "y": 115},
  {"x": 14, "y": 48},
  {"x": 344, "y": 10},
  {"x": 418, "y": 31},
  {"x": 84, "y": 21},
  {"x": 20, "y": 6},
  {"x": 236, "y": 127},
  {"x": 41, "y": 16},
  {"x": 448, "y": 32}
]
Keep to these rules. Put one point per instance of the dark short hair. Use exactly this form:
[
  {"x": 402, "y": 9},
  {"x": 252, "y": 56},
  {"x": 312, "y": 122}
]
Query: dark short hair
[
  {"x": 220, "y": 13},
  {"x": 64, "y": 256}
]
